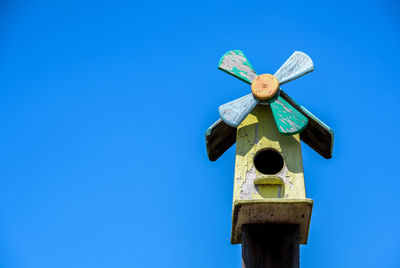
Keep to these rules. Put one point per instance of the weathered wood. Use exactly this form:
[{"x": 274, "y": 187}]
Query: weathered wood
[
  {"x": 317, "y": 135},
  {"x": 235, "y": 63},
  {"x": 270, "y": 245},
  {"x": 265, "y": 86},
  {"x": 234, "y": 112},
  {"x": 272, "y": 211},
  {"x": 297, "y": 65},
  {"x": 219, "y": 138},
  {"x": 287, "y": 118},
  {"x": 257, "y": 198}
]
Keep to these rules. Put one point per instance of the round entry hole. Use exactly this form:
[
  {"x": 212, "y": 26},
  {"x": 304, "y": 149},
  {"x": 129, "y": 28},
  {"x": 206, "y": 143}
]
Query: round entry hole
[{"x": 268, "y": 161}]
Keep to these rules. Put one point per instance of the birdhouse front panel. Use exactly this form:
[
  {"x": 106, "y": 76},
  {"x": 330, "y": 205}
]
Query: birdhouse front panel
[
  {"x": 269, "y": 180},
  {"x": 267, "y": 159}
]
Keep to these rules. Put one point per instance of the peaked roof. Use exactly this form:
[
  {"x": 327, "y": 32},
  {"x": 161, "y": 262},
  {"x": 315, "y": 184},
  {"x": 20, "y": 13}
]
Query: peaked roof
[{"x": 220, "y": 136}]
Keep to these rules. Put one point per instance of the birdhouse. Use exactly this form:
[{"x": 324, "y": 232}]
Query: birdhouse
[{"x": 268, "y": 126}]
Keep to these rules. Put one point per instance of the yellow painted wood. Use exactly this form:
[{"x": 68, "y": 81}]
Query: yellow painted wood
[
  {"x": 268, "y": 180},
  {"x": 258, "y": 131},
  {"x": 252, "y": 188}
]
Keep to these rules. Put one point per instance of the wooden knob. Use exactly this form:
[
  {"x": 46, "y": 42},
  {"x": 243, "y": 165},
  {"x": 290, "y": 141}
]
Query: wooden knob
[{"x": 264, "y": 86}]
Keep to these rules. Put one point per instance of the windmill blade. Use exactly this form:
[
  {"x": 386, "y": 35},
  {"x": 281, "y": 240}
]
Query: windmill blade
[
  {"x": 234, "y": 112},
  {"x": 219, "y": 138},
  {"x": 235, "y": 63},
  {"x": 288, "y": 120},
  {"x": 297, "y": 65}
]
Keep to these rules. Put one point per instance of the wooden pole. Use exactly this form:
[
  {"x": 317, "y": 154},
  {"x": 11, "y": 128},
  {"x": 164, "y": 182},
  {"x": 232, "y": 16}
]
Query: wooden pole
[{"x": 270, "y": 245}]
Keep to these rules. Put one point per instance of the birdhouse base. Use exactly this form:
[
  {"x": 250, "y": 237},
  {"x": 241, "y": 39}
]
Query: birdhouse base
[{"x": 271, "y": 210}]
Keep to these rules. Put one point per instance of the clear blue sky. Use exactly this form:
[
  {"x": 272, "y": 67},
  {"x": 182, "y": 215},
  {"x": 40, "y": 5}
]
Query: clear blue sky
[{"x": 103, "y": 108}]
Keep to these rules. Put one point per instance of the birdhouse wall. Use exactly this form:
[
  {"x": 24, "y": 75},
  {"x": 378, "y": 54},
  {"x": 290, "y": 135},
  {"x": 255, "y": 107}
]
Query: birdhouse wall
[
  {"x": 258, "y": 132},
  {"x": 268, "y": 189}
]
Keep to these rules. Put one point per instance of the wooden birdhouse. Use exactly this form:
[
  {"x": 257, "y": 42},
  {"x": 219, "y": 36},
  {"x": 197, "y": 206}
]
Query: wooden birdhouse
[{"x": 267, "y": 126}]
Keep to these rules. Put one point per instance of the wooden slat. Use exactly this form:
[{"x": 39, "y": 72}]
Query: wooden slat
[{"x": 219, "y": 138}]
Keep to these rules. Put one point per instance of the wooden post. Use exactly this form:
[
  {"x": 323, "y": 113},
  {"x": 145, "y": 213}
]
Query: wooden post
[{"x": 270, "y": 245}]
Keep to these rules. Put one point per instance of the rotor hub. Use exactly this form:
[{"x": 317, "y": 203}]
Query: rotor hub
[{"x": 264, "y": 87}]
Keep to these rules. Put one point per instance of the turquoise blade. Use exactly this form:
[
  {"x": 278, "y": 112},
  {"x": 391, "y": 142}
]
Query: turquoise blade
[
  {"x": 297, "y": 65},
  {"x": 235, "y": 63},
  {"x": 234, "y": 112},
  {"x": 288, "y": 120}
]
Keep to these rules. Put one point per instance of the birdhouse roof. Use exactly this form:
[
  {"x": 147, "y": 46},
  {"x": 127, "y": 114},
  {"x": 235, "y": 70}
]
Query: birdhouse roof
[{"x": 220, "y": 136}]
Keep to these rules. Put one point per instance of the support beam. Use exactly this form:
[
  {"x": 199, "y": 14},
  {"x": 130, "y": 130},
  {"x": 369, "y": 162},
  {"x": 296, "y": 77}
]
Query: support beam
[{"x": 270, "y": 245}]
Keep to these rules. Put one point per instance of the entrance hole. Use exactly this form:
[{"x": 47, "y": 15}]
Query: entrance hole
[{"x": 268, "y": 161}]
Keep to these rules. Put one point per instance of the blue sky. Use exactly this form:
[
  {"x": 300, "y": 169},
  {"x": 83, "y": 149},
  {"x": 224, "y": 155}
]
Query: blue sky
[{"x": 104, "y": 104}]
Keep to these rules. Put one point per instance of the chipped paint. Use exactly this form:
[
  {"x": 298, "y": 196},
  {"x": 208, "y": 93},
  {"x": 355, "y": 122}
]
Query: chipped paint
[
  {"x": 235, "y": 63},
  {"x": 297, "y": 65},
  {"x": 257, "y": 196},
  {"x": 288, "y": 119},
  {"x": 258, "y": 131},
  {"x": 248, "y": 187},
  {"x": 256, "y": 140},
  {"x": 234, "y": 112}
]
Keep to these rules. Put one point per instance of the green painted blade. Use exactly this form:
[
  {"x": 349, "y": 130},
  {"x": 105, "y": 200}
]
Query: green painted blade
[
  {"x": 288, "y": 120},
  {"x": 235, "y": 63}
]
